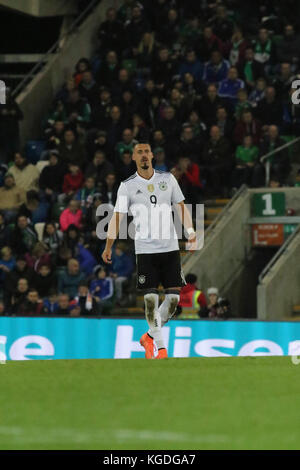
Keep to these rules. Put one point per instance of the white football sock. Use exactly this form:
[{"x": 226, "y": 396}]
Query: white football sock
[
  {"x": 153, "y": 318},
  {"x": 168, "y": 307}
]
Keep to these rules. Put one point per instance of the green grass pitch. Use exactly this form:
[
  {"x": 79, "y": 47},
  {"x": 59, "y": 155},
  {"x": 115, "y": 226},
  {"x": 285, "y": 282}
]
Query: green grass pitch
[{"x": 195, "y": 403}]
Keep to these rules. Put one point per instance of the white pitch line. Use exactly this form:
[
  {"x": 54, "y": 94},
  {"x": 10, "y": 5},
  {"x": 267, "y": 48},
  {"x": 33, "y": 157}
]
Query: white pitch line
[{"x": 46, "y": 435}]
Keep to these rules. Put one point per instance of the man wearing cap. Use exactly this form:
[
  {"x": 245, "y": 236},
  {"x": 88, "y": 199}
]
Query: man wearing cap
[{"x": 11, "y": 197}]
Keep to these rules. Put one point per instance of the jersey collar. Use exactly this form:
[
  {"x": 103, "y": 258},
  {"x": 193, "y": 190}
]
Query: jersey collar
[{"x": 145, "y": 179}]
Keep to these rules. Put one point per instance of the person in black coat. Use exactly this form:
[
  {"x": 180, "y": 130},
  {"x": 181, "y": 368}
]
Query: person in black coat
[
  {"x": 111, "y": 32},
  {"x": 269, "y": 110},
  {"x": 52, "y": 176},
  {"x": 250, "y": 69}
]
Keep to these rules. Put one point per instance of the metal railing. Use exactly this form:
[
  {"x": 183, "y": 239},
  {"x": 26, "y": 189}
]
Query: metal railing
[
  {"x": 278, "y": 254},
  {"x": 55, "y": 48},
  {"x": 264, "y": 158}
]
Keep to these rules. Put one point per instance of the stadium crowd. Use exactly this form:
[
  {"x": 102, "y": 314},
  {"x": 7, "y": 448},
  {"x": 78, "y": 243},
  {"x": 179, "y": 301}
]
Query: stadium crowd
[{"x": 207, "y": 83}]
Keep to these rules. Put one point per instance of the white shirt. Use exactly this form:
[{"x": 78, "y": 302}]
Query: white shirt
[{"x": 150, "y": 201}]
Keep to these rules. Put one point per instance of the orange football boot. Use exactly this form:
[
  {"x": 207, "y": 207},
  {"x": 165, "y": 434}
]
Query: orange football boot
[
  {"x": 162, "y": 354},
  {"x": 147, "y": 342}
]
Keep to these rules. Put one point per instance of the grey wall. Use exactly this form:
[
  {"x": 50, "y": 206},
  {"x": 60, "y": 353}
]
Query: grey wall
[
  {"x": 221, "y": 260},
  {"x": 42, "y": 8},
  {"x": 280, "y": 288}
]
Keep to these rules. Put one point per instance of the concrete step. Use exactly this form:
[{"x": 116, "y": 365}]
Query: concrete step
[{"x": 296, "y": 310}]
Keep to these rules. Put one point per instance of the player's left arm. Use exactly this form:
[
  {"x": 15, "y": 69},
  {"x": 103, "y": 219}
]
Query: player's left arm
[{"x": 186, "y": 220}]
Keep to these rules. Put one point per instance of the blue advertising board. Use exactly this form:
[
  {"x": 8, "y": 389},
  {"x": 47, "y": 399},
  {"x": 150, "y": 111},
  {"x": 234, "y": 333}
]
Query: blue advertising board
[{"x": 85, "y": 338}]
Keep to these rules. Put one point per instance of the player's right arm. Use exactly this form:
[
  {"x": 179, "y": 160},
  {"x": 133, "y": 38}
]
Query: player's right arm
[
  {"x": 112, "y": 233},
  {"x": 121, "y": 208}
]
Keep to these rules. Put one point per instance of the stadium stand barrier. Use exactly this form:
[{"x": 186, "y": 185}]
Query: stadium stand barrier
[{"x": 278, "y": 289}]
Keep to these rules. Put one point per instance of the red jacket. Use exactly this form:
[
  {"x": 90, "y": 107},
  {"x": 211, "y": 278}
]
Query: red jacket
[
  {"x": 241, "y": 130},
  {"x": 186, "y": 296},
  {"x": 67, "y": 218},
  {"x": 73, "y": 182},
  {"x": 192, "y": 175}
]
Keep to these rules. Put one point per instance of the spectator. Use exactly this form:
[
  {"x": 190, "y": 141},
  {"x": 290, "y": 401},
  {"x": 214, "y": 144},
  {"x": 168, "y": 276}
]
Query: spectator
[
  {"x": 85, "y": 194},
  {"x": 63, "y": 305},
  {"x": 19, "y": 296},
  {"x": 258, "y": 93},
  {"x": 221, "y": 23},
  {"x": 71, "y": 215},
  {"x": 85, "y": 300},
  {"x": 164, "y": 69},
  {"x": 191, "y": 65},
  {"x": 224, "y": 123},
  {"x": 189, "y": 179},
  {"x": 11, "y": 198},
  {"x": 96, "y": 140},
  {"x": 216, "y": 69},
  {"x": 110, "y": 32},
  {"x": 52, "y": 238},
  {"x": 280, "y": 163},
  {"x": 229, "y": 87},
  {"x": 211, "y": 308},
  {"x": 44, "y": 280},
  {"x": 108, "y": 71},
  {"x": 127, "y": 143},
  {"x": 126, "y": 167},
  {"x": 82, "y": 65},
  {"x": 68, "y": 281},
  {"x": 288, "y": 49},
  {"x": 10, "y": 115},
  {"x": 52, "y": 176},
  {"x": 114, "y": 128},
  {"x": 38, "y": 256},
  {"x": 246, "y": 158},
  {"x": 189, "y": 145},
  {"x": 247, "y": 125},
  {"x": 122, "y": 268},
  {"x": 7, "y": 264},
  {"x": 88, "y": 91},
  {"x": 217, "y": 162},
  {"x": 160, "y": 159},
  {"x": 73, "y": 181},
  {"x": 102, "y": 287},
  {"x": 264, "y": 49},
  {"x": 250, "y": 70},
  {"x": 33, "y": 305},
  {"x": 25, "y": 174},
  {"x": 135, "y": 28},
  {"x": 20, "y": 271},
  {"x": 242, "y": 103},
  {"x": 99, "y": 167},
  {"x": 110, "y": 189},
  {"x": 23, "y": 236},
  {"x": 101, "y": 108},
  {"x": 140, "y": 131},
  {"x": 70, "y": 150},
  {"x": 50, "y": 304},
  {"x": 238, "y": 46},
  {"x": 4, "y": 230},
  {"x": 209, "y": 43},
  {"x": 77, "y": 108},
  {"x": 190, "y": 296},
  {"x": 209, "y": 104},
  {"x": 34, "y": 208}
]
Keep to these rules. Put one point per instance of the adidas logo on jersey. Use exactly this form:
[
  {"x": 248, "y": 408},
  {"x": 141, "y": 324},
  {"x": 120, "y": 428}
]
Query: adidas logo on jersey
[{"x": 138, "y": 192}]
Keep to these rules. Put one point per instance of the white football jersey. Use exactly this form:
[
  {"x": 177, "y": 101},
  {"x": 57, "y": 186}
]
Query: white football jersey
[{"x": 150, "y": 201}]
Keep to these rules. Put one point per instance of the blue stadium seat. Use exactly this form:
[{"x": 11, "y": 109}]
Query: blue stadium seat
[{"x": 34, "y": 149}]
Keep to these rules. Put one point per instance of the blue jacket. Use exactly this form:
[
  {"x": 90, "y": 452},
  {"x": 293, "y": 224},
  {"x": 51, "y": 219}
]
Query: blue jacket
[
  {"x": 106, "y": 288},
  {"x": 214, "y": 74},
  {"x": 229, "y": 88},
  {"x": 85, "y": 259},
  {"x": 122, "y": 265}
]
